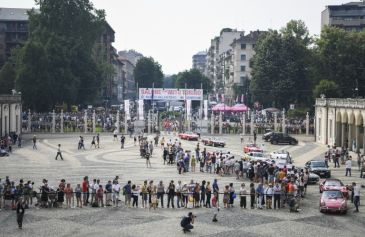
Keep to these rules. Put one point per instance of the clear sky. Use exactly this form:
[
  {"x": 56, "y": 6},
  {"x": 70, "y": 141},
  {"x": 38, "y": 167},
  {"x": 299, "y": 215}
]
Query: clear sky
[{"x": 171, "y": 31}]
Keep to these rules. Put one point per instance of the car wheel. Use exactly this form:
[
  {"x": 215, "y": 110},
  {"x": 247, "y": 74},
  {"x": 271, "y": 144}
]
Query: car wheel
[{"x": 344, "y": 212}]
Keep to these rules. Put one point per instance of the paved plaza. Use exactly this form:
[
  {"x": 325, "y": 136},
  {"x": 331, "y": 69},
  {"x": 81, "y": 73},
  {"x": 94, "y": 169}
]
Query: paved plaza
[{"x": 108, "y": 161}]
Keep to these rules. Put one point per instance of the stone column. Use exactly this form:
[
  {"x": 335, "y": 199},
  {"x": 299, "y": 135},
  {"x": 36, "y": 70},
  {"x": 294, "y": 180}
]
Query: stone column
[
  {"x": 85, "y": 121},
  {"x": 212, "y": 123},
  {"x": 61, "y": 130},
  {"x": 343, "y": 131},
  {"x": 220, "y": 123},
  {"x": 349, "y": 137},
  {"x": 283, "y": 122},
  {"x": 357, "y": 137},
  {"x": 149, "y": 122},
  {"x": 125, "y": 123},
  {"x": 94, "y": 122},
  {"x": 29, "y": 121},
  {"x": 118, "y": 122},
  {"x": 252, "y": 123},
  {"x": 243, "y": 123},
  {"x": 275, "y": 121},
  {"x": 53, "y": 122},
  {"x": 363, "y": 142},
  {"x": 307, "y": 124}
]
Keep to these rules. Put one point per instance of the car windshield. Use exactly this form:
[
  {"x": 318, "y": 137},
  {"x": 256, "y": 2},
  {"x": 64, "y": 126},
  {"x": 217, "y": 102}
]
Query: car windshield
[
  {"x": 333, "y": 183},
  {"x": 332, "y": 194},
  {"x": 318, "y": 164}
]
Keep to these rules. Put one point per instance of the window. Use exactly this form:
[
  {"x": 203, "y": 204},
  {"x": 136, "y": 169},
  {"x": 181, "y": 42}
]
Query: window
[
  {"x": 253, "y": 46},
  {"x": 243, "y": 68},
  {"x": 243, "y": 46},
  {"x": 243, "y": 57}
]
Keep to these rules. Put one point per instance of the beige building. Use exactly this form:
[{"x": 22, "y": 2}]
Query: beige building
[
  {"x": 10, "y": 114},
  {"x": 341, "y": 122}
]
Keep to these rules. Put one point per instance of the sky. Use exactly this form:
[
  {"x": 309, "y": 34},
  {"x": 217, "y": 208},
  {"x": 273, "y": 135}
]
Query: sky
[{"x": 172, "y": 31}]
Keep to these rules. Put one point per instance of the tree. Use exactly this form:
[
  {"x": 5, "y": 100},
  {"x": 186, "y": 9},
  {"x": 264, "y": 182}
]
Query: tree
[
  {"x": 147, "y": 72},
  {"x": 56, "y": 65},
  {"x": 328, "y": 88},
  {"x": 7, "y": 78},
  {"x": 280, "y": 73},
  {"x": 341, "y": 57},
  {"x": 169, "y": 81},
  {"x": 193, "y": 79}
]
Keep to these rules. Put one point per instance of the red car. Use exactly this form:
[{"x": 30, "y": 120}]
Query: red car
[
  {"x": 334, "y": 184},
  {"x": 333, "y": 201},
  {"x": 189, "y": 136},
  {"x": 213, "y": 142},
  {"x": 252, "y": 148}
]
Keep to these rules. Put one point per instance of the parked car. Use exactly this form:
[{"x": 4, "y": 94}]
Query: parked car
[
  {"x": 333, "y": 201},
  {"x": 267, "y": 136},
  {"x": 280, "y": 138},
  {"x": 319, "y": 168},
  {"x": 213, "y": 142},
  {"x": 334, "y": 184},
  {"x": 257, "y": 156},
  {"x": 252, "y": 148},
  {"x": 313, "y": 178},
  {"x": 189, "y": 136}
]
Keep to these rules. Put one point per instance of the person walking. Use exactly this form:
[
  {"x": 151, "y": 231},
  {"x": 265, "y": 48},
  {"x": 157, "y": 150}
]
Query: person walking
[
  {"x": 348, "y": 166},
  {"x": 59, "y": 152},
  {"x": 356, "y": 193},
  {"x": 34, "y": 142},
  {"x": 20, "y": 213}
]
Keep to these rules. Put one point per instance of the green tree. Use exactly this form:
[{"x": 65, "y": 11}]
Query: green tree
[
  {"x": 193, "y": 79},
  {"x": 7, "y": 78},
  {"x": 328, "y": 88},
  {"x": 147, "y": 72},
  {"x": 341, "y": 57},
  {"x": 280, "y": 67},
  {"x": 56, "y": 65}
]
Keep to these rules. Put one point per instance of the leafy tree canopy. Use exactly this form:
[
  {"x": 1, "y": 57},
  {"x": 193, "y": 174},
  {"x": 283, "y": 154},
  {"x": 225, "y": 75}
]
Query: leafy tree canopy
[
  {"x": 193, "y": 79},
  {"x": 327, "y": 88},
  {"x": 147, "y": 72}
]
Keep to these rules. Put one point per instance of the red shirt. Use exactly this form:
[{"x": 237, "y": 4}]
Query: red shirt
[{"x": 84, "y": 187}]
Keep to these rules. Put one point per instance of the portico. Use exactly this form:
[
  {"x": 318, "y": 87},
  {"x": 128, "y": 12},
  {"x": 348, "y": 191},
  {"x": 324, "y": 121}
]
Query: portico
[{"x": 341, "y": 122}]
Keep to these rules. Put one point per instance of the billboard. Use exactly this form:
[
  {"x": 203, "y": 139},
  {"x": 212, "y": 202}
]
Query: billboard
[{"x": 170, "y": 94}]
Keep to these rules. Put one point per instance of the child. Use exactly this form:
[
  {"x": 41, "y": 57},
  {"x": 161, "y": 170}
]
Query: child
[
  {"x": 78, "y": 196},
  {"x": 215, "y": 207},
  {"x": 99, "y": 196},
  {"x": 68, "y": 191}
]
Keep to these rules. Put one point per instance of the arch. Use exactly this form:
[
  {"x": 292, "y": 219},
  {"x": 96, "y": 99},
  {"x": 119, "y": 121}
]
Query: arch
[
  {"x": 344, "y": 116},
  {"x": 358, "y": 118},
  {"x": 338, "y": 116},
  {"x": 351, "y": 117}
]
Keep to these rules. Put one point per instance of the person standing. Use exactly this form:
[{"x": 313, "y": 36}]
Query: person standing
[
  {"x": 171, "y": 194},
  {"x": 20, "y": 213},
  {"x": 150, "y": 147},
  {"x": 98, "y": 140},
  {"x": 161, "y": 192},
  {"x": 127, "y": 191},
  {"x": 348, "y": 165},
  {"x": 59, "y": 152},
  {"x": 34, "y": 142},
  {"x": 356, "y": 192},
  {"x": 243, "y": 193},
  {"x": 277, "y": 195},
  {"x": 122, "y": 141},
  {"x": 252, "y": 195}
]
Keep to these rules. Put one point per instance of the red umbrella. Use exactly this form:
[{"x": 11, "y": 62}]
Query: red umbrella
[
  {"x": 239, "y": 108},
  {"x": 221, "y": 108}
]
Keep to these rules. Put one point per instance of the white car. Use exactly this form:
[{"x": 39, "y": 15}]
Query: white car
[
  {"x": 257, "y": 156},
  {"x": 280, "y": 163},
  {"x": 281, "y": 155}
]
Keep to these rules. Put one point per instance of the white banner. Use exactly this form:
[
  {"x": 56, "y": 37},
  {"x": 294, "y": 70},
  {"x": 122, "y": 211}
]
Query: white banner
[
  {"x": 205, "y": 109},
  {"x": 126, "y": 107},
  {"x": 140, "y": 110},
  {"x": 170, "y": 94},
  {"x": 188, "y": 109}
]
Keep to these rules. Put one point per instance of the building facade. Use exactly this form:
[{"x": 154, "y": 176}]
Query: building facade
[
  {"x": 10, "y": 114},
  {"x": 219, "y": 47},
  {"x": 130, "y": 55},
  {"x": 129, "y": 92},
  {"x": 341, "y": 122},
  {"x": 349, "y": 16},
  {"x": 13, "y": 31},
  {"x": 199, "y": 61}
]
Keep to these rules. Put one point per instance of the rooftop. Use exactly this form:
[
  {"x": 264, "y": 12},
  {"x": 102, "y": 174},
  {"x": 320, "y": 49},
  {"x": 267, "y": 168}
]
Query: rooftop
[{"x": 14, "y": 14}]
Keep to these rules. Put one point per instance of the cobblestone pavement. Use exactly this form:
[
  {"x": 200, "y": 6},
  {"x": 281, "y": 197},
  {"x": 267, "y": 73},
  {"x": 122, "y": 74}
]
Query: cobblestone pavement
[{"x": 108, "y": 161}]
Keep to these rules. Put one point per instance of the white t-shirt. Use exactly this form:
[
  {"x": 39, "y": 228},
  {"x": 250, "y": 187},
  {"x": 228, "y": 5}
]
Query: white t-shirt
[
  {"x": 116, "y": 188},
  {"x": 348, "y": 164},
  {"x": 357, "y": 190}
]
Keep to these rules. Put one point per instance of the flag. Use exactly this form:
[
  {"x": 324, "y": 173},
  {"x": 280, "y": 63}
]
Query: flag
[{"x": 242, "y": 98}]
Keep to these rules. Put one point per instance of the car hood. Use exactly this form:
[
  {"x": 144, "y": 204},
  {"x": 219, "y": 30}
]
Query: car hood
[{"x": 319, "y": 169}]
